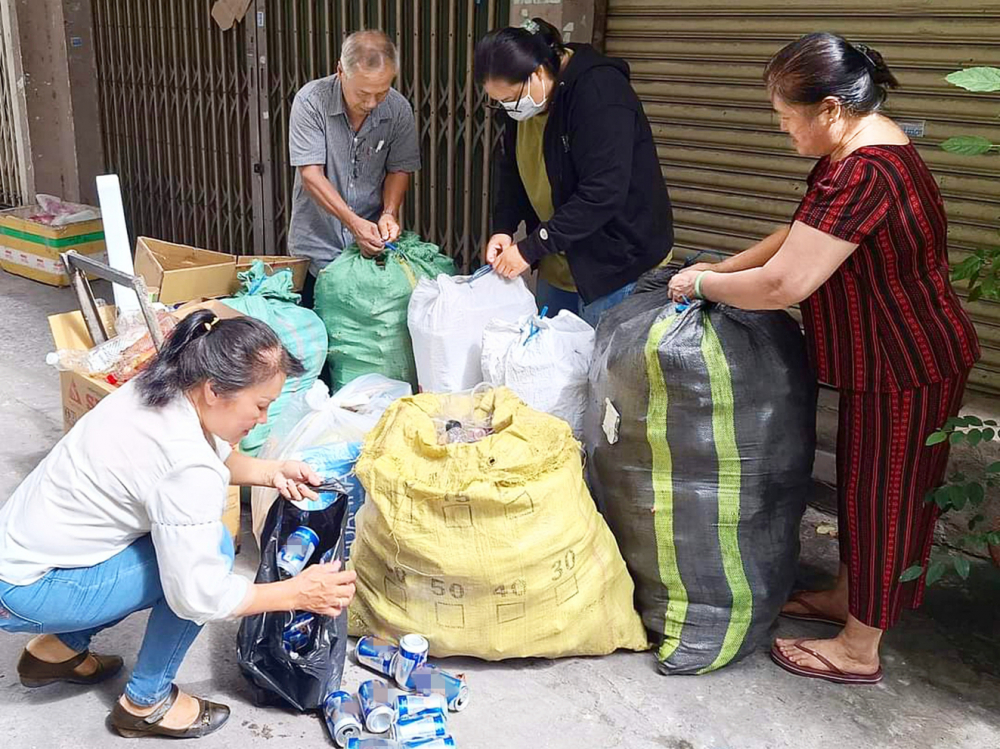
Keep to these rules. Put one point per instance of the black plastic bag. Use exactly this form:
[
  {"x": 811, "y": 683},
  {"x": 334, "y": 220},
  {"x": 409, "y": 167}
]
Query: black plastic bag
[
  {"x": 701, "y": 434},
  {"x": 302, "y": 680}
]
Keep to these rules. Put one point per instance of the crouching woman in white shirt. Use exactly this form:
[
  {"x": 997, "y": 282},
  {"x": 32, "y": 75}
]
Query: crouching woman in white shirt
[{"x": 125, "y": 514}]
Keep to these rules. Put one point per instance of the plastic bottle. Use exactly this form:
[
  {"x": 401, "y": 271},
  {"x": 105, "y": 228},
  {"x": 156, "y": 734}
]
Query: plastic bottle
[{"x": 68, "y": 360}]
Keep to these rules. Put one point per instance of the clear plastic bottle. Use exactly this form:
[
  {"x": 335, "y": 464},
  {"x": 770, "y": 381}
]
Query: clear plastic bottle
[{"x": 68, "y": 360}]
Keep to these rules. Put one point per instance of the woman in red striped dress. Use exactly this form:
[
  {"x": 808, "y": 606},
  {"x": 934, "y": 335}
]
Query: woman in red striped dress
[{"x": 867, "y": 256}]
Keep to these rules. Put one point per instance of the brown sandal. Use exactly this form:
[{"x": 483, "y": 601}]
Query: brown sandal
[
  {"x": 211, "y": 717},
  {"x": 34, "y": 672},
  {"x": 811, "y": 614},
  {"x": 834, "y": 674}
]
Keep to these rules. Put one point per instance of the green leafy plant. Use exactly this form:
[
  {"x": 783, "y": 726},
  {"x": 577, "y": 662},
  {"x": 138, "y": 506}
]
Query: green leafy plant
[{"x": 981, "y": 272}]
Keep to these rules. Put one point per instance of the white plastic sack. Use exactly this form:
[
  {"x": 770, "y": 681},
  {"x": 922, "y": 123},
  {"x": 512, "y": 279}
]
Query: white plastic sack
[
  {"x": 315, "y": 418},
  {"x": 544, "y": 360},
  {"x": 447, "y": 317}
]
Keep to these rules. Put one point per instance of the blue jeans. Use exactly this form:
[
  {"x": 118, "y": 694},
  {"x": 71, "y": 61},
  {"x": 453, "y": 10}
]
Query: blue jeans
[
  {"x": 557, "y": 299},
  {"x": 75, "y": 604}
]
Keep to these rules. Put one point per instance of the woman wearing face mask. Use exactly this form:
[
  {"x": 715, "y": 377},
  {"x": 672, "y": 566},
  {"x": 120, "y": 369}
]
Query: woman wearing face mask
[
  {"x": 125, "y": 515},
  {"x": 867, "y": 257},
  {"x": 578, "y": 165}
]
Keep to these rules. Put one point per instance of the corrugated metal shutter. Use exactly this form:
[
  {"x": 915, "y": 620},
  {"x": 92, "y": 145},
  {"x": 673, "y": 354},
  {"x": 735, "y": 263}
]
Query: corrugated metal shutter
[{"x": 733, "y": 175}]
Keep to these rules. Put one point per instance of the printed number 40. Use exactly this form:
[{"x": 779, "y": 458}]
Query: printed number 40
[
  {"x": 564, "y": 565},
  {"x": 517, "y": 588}
]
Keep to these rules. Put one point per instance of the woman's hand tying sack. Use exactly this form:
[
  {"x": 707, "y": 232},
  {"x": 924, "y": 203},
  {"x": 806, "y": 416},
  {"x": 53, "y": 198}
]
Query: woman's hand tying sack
[{"x": 682, "y": 285}]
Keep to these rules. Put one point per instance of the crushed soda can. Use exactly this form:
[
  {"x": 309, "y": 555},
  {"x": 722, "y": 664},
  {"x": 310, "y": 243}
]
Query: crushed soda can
[
  {"x": 409, "y": 705},
  {"x": 376, "y": 706},
  {"x": 376, "y": 654},
  {"x": 427, "y": 726},
  {"x": 342, "y": 713},
  {"x": 430, "y": 679},
  {"x": 410, "y": 654}
]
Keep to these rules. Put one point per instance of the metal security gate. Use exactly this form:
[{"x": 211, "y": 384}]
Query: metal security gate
[
  {"x": 732, "y": 174},
  {"x": 14, "y": 183},
  {"x": 175, "y": 112},
  {"x": 196, "y": 118}
]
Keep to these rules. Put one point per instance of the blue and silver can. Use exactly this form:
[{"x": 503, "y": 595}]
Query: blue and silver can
[
  {"x": 409, "y": 705},
  {"x": 428, "y": 726},
  {"x": 441, "y": 742},
  {"x": 342, "y": 712},
  {"x": 430, "y": 679},
  {"x": 299, "y": 547},
  {"x": 297, "y": 633},
  {"x": 376, "y": 705},
  {"x": 376, "y": 654},
  {"x": 412, "y": 654},
  {"x": 372, "y": 744}
]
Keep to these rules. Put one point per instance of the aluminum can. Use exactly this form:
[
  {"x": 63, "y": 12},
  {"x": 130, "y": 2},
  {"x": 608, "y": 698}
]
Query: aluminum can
[
  {"x": 299, "y": 547},
  {"x": 430, "y": 679},
  {"x": 411, "y": 654},
  {"x": 408, "y": 705},
  {"x": 441, "y": 742},
  {"x": 427, "y": 726},
  {"x": 372, "y": 744},
  {"x": 376, "y": 654},
  {"x": 297, "y": 632},
  {"x": 342, "y": 712},
  {"x": 376, "y": 706}
]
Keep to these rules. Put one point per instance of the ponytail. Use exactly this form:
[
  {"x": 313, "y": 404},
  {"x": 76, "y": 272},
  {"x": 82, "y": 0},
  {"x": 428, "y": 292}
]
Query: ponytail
[{"x": 232, "y": 354}]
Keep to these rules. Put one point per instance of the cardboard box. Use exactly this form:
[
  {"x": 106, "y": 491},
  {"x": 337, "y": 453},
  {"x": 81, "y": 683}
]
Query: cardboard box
[
  {"x": 298, "y": 265},
  {"x": 81, "y": 393},
  {"x": 32, "y": 249},
  {"x": 183, "y": 273}
]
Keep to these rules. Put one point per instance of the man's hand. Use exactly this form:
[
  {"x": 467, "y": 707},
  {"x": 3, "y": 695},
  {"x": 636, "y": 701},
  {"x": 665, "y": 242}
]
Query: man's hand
[
  {"x": 368, "y": 236},
  {"x": 293, "y": 479},
  {"x": 497, "y": 244},
  {"x": 324, "y": 589},
  {"x": 509, "y": 263},
  {"x": 388, "y": 228}
]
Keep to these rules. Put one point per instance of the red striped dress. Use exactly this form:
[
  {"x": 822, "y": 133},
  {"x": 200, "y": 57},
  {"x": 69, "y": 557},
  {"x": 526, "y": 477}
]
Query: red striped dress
[{"x": 889, "y": 332}]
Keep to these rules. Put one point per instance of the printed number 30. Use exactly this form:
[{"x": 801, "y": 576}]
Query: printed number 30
[{"x": 564, "y": 565}]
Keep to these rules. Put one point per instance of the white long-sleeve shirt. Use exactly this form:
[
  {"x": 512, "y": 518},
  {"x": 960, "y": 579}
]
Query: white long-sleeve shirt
[{"x": 123, "y": 471}]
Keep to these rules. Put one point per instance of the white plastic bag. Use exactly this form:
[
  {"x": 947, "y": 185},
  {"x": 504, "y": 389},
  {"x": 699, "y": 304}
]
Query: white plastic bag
[
  {"x": 544, "y": 360},
  {"x": 447, "y": 317},
  {"x": 316, "y": 418}
]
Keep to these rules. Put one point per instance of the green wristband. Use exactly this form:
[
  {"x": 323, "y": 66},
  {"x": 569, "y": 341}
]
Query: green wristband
[{"x": 697, "y": 284}]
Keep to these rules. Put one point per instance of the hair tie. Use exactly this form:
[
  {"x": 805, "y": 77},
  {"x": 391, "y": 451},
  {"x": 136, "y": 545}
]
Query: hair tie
[
  {"x": 210, "y": 325},
  {"x": 530, "y": 26},
  {"x": 864, "y": 49}
]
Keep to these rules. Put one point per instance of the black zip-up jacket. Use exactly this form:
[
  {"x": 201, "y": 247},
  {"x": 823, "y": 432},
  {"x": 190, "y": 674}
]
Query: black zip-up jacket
[{"x": 612, "y": 217}]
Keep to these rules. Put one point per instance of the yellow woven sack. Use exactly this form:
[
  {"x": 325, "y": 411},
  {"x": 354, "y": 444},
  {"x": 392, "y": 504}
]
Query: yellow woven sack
[{"x": 492, "y": 549}]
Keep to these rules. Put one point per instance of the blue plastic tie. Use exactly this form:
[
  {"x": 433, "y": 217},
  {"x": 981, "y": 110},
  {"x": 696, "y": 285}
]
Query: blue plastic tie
[
  {"x": 484, "y": 270},
  {"x": 535, "y": 330},
  {"x": 682, "y": 306}
]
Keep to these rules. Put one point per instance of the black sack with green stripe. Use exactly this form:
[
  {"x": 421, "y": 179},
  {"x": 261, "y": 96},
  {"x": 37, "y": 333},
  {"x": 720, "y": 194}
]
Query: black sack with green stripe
[{"x": 701, "y": 465}]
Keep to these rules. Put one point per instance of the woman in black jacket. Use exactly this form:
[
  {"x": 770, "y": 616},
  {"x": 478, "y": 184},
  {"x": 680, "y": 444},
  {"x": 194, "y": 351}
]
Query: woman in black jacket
[{"x": 578, "y": 165}]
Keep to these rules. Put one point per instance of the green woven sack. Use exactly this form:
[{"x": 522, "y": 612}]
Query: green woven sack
[
  {"x": 272, "y": 300},
  {"x": 363, "y": 301}
]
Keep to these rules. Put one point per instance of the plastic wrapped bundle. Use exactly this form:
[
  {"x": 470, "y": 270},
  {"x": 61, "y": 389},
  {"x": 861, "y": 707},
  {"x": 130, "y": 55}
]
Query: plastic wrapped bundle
[
  {"x": 272, "y": 300},
  {"x": 545, "y": 360},
  {"x": 701, "y": 434},
  {"x": 447, "y": 317},
  {"x": 491, "y": 546},
  {"x": 363, "y": 303}
]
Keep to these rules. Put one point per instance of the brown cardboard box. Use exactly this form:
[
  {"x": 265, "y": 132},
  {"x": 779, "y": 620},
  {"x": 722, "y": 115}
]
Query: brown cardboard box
[
  {"x": 298, "y": 265},
  {"x": 81, "y": 393},
  {"x": 32, "y": 249},
  {"x": 183, "y": 273}
]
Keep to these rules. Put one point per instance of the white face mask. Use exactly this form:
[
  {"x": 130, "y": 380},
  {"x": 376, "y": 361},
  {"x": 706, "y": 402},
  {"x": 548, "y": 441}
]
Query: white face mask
[{"x": 526, "y": 107}]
